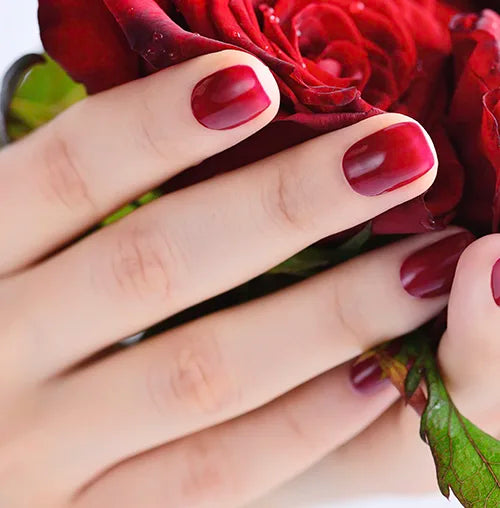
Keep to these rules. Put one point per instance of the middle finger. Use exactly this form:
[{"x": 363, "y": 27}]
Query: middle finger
[{"x": 203, "y": 240}]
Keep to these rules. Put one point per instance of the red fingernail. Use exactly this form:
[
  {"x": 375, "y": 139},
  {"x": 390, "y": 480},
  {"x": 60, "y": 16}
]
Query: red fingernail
[
  {"x": 388, "y": 159},
  {"x": 367, "y": 376},
  {"x": 229, "y": 98},
  {"x": 430, "y": 271},
  {"x": 495, "y": 282}
]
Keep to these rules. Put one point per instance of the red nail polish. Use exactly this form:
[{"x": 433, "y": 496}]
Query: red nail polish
[
  {"x": 495, "y": 282},
  {"x": 367, "y": 376},
  {"x": 388, "y": 159},
  {"x": 430, "y": 271},
  {"x": 229, "y": 98}
]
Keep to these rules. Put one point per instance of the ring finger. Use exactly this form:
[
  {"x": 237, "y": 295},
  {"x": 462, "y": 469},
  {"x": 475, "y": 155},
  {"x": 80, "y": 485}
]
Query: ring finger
[{"x": 210, "y": 371}]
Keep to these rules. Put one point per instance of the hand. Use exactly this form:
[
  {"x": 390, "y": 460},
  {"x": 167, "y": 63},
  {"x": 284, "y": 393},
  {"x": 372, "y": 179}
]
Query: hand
[
  {"x": 211, "y": 413},
  {"x": 389, "y": 456}
]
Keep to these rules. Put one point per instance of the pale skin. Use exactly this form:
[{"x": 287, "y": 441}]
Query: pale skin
[{"x": 221, "y": 411}]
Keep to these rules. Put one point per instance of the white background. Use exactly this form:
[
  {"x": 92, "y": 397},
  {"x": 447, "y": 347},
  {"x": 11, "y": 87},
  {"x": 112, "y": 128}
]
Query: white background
[{"x": 19, "y": 35}]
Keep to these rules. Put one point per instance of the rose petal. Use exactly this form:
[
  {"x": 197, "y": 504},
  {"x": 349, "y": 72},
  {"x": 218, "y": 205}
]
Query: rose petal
[
  {"x": 197, "y": 15},
  {"x": 85, "y": 39},
  {"x": 152, "y": 34},
  {"x": 476, "y": 49},
  {"x": 314, "y": 27},
  {"x": 491, "y": 142}
]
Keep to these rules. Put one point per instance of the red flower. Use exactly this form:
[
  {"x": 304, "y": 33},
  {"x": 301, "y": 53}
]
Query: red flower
[{"x": 336, "y": 62}]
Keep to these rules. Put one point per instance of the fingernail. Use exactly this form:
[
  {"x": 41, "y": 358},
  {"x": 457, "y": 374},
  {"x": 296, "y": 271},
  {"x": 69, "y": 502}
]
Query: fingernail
[
  {"x": 430, "y": 271},
  {"x": 367, "y": 376},
  {"x": 495, "y": 282},
  {"x": 229, "y": 98},
  {"x": 388, "y": 159}
]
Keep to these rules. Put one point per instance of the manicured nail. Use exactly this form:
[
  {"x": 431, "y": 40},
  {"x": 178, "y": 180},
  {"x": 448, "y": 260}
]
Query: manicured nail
[
  {"x": 229, "y": 98},
  {"x": 430, "y": 271},
  {"x": 388, "y": 159},
  {"x": 495, "y": 282},
  {"x": 367, "y": 376}
]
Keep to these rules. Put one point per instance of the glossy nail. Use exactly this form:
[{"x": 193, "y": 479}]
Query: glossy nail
[
  {"x": 430, "y": 271},
  {"x": 388, "y": 159},
  {"x": 367, "y": 376},
  {"x": 229, "y": 98},
  {"x": 495, "y": 282}
]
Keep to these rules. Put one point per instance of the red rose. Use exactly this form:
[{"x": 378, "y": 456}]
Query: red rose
[
  {"x": 336, "y": 61},
  {"x": 475, "y": 115}
]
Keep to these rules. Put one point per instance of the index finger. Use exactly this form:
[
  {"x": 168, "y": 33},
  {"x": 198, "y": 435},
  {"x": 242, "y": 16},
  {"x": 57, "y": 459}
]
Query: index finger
[{"x": 113, "y": 147}]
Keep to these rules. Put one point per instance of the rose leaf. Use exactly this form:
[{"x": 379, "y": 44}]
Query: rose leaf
[
  {"x": 467, "y": 459},
  {"x": 35, "y": 90}
]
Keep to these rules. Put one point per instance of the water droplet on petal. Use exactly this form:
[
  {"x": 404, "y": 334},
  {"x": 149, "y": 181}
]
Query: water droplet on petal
[
  {"x": 356, "y": 7},
  {"x": 157, "y": 36}
]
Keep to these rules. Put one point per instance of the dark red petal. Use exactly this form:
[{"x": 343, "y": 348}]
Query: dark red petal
[
  {"x": 410, "y": 217},
  {"x": 342, "y": 63},
  {"x": 476, "y": 49},
  {"x": 429, "y": 32},
  {"x": 85, "y": 39},
  {"x": 491, "y": 141},
  {"x": 317, "y": 25},
  {"x": 428, "y": 95},
  {"x": 382, "y": 88},
  {"x": 159, "y": 40},
  {"x": 197, "y": 15}
]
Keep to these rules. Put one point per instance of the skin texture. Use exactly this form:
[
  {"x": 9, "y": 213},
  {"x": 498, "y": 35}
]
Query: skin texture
[{"x": 223, "y": 409}]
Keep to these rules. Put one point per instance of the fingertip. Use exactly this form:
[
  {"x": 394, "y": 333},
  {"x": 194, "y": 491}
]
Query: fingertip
[
  {"x": 235, "y": 71},
  {"x": 473, "y": 284},
  {"x": 389, "y": 158},
  {"x": 469, "y": 352}
]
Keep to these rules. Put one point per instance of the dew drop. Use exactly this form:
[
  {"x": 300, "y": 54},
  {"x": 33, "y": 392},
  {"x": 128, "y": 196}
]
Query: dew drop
[
  {"x": 157, "y": 36},
  {"x": 356, "y": 7}
]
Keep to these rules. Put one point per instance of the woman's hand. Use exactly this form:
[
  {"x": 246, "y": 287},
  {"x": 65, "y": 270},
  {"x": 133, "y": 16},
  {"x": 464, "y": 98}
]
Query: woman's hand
[
  {"x": 389, "y": 456},
  {"x": 211, "y": 413}
]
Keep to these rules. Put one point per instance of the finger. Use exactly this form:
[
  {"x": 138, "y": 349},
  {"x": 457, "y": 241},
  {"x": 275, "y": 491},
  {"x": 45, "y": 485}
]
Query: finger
[
  {"x": 469, "y": 356},
  {"x": 228, "y": 465},
  {"x": 113, "y": 147},
  {"x": 187, "y": 247},
  {"x": 229, "y": 363},
  {"x": 469, "y": 353},
  {"x": 388, "y": 457}
]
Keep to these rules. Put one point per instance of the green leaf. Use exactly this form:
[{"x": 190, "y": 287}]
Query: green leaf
[
  {"x": 318, "y": 257},
  {"x": 37, "y": 94},
  {"x": 127, "y": 209},
  {"x": 467, "y": 459}
]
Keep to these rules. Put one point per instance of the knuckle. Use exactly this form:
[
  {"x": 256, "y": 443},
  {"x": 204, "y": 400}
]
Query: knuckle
[
  {"x": 152, "y": 137},
  {"x": 296, "y": 423},
  {"x": 286, "y": 200},
  {"x": 200, "y": 379},
  {"x": 209, "y": 476},
  {"x": 61, "y": 177},
  {"x": 350, "y": 324},
  {"x": 143, "y": 264}
]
